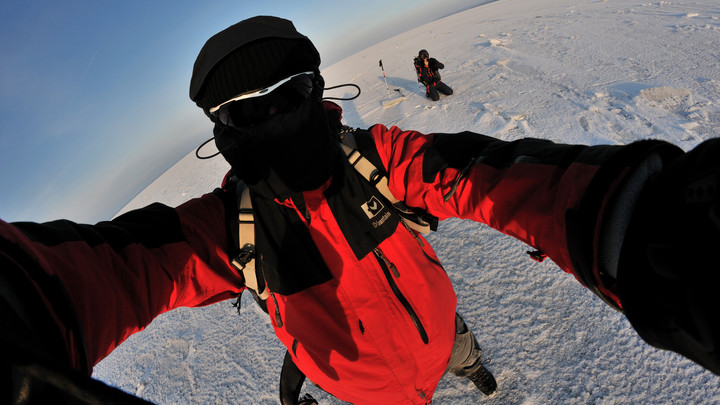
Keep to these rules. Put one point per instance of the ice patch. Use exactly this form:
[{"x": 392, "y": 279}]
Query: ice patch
[
  {"x": 663, "y": 93},
  {"x": 668, "y": 98}
]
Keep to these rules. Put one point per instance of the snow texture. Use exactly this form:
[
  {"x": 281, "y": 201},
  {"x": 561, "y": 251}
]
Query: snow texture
[{"x": 590, "y": 72}]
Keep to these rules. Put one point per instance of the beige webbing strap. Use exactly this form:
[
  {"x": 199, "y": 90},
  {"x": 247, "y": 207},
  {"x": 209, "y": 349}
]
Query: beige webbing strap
[
  {"x": 370, "y": 172},
  {"x": 246, "y": 236}
]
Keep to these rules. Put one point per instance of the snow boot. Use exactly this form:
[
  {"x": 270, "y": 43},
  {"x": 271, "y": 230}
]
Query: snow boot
[
  {"x": 307, "y": 399},
  {"x": 484, "y": 380}
]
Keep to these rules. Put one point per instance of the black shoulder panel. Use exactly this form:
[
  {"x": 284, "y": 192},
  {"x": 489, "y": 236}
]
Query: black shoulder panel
[
  {"x": 289, "y": 259},
  {"x": 461, "y": 149},
  {"x": 452, "y": 150}
]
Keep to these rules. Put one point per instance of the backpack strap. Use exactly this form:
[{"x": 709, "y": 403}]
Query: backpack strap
[
  {"x": 366, "y": 168},
  {"x": 245, "y": 260},
  {"x": 418, "y": 220}
]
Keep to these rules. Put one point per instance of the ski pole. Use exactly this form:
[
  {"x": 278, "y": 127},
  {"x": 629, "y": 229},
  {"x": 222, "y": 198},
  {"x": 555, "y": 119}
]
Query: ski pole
[{"x": 386, "y": 85}]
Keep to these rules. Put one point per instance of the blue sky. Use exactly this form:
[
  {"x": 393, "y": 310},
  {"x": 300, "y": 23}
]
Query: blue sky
[{"x": 95, "y": 103}]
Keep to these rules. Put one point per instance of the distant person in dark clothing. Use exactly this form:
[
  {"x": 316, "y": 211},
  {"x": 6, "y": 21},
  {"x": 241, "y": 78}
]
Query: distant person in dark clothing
[{"x": 427, "y": 69}]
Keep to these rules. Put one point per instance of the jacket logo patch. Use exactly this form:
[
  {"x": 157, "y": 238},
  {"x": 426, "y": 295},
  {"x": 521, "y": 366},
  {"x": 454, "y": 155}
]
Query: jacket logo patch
[{"x": 372, "y": 207}]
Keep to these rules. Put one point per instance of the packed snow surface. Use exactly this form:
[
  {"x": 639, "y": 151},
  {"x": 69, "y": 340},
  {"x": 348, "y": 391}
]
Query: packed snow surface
[{"x": 588, "y": 72}]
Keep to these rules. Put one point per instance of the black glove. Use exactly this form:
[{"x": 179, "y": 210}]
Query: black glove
[{"x": 669, "y": 273}]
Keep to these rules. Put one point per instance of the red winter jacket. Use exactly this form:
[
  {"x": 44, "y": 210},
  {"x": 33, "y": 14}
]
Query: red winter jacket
[{"x": 378, "y": 328}]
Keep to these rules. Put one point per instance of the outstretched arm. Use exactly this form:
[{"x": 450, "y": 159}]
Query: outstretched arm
[
  {"x": 95, "y": 285},
  {"x": 636, "y": 224}
]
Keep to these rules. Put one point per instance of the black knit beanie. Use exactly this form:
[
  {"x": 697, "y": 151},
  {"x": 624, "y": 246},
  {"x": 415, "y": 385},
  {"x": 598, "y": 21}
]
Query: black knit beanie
[{"x": 249, "y": 55}]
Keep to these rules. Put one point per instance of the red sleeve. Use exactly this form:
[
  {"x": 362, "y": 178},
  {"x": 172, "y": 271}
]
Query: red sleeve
[
  {"x": 550, "y": 196},
  {"x": 524, "y": 200},
  {"x": 119, "y": 275}
]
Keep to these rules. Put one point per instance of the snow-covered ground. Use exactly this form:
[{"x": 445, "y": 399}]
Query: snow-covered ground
[{"x": 590, "y": 72}]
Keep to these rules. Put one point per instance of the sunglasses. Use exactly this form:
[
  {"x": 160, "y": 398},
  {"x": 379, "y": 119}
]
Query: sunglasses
[{"x": 257, "y": 106}]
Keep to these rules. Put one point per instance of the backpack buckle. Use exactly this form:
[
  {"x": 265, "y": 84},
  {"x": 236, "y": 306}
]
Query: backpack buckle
[{"x": 246, "y": 255}]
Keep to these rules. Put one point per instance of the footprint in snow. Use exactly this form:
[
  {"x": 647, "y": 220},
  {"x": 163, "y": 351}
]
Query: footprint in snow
[{"x": 584, "y": 123}]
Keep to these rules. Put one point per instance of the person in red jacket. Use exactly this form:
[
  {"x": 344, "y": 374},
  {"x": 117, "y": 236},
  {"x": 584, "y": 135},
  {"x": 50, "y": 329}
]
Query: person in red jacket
[
  {"x": 428, "y": 71},
  {"x": 374, "y": 290},
  {"x": 636, "y": 224}
]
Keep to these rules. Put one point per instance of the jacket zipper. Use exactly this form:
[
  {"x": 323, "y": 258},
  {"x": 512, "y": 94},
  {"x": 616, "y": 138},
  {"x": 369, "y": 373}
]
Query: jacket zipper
[
  {"x": 278, "y": 319},
  {"x": 389, "y": 270},
  {"x": 433, "y": 261}
]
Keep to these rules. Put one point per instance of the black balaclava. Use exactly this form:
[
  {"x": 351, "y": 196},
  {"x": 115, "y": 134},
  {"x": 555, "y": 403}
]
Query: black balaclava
[
  {"x": 296, "y": 148},
  {"x": 290, "y": 152}
]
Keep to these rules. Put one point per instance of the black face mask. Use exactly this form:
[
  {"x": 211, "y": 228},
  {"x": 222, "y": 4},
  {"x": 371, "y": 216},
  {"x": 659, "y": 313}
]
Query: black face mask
[{"x": 292, "y": 152}]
